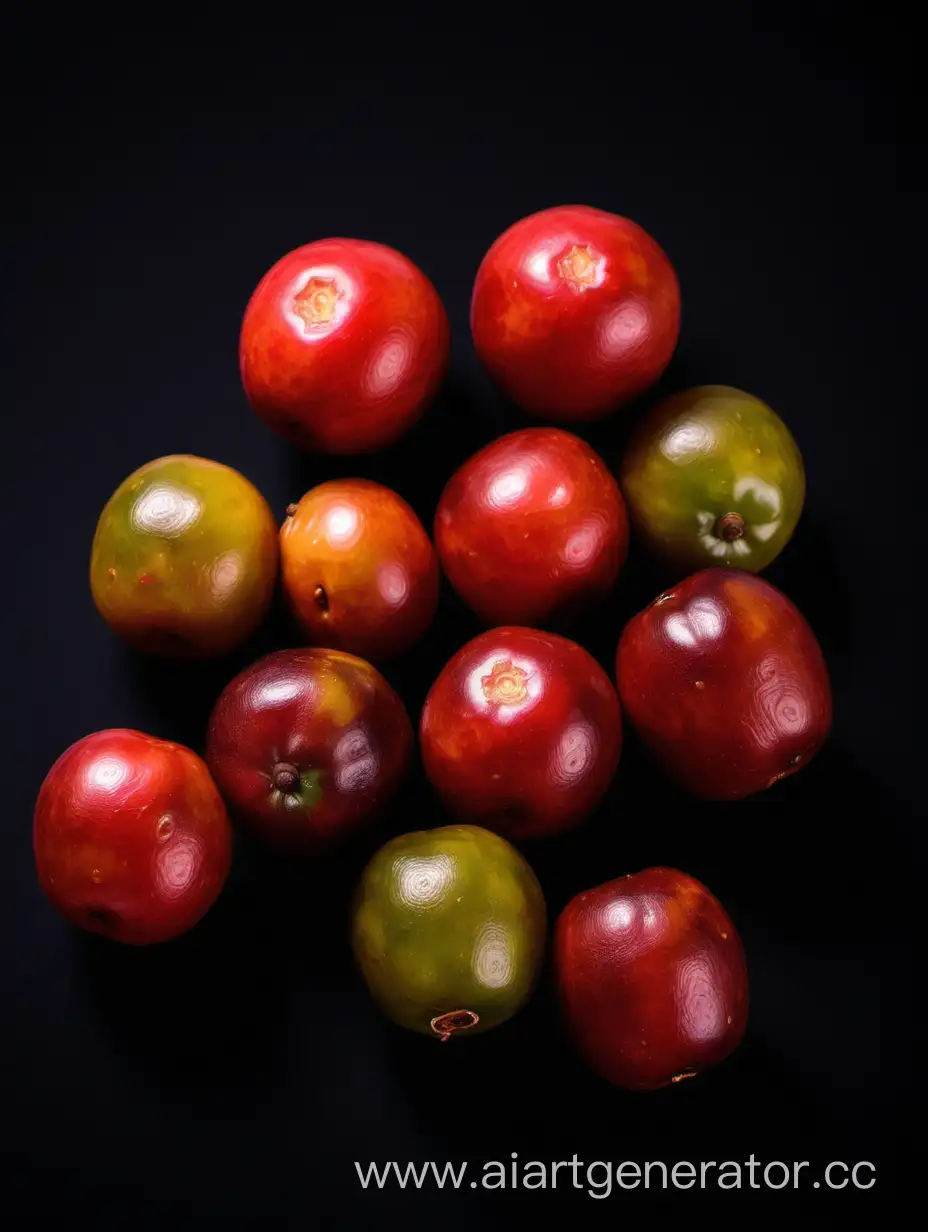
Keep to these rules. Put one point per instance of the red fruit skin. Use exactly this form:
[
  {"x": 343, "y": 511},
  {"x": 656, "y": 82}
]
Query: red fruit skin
[
  {"x": 726, "y": 684},
  {"x": 651, "y": 977},
  {"x": 532, "y": 527},
  {"x": 363, "y": 545},
  {"x": 575, "y": 311},
  {"x": 131, "y": 837},
  {"x": 343, "y": 344},
  {"x": 521, "y": 733},
  {"x": 329, "y": 716}
]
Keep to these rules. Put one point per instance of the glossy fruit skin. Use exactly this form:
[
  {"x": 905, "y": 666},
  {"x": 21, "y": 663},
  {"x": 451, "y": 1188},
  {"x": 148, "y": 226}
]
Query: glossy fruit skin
[
  {"x": 532, "y": 528},
  {"x": 308, "y": 745},
  {"x": 184, "y": 559},
  {"x": 713, "y": 477},
  {"x": 343, "y": 345},
  {"x": 521, "y": 732},
  {"x": 358, "y": 569},
  {"x": 726, "y": 684},
  {"x": 449, "y": 922},
  {"x": 575, "y": 311},
  {"x": 652, "y": 978},
  {"x": 131, "y": 837}
]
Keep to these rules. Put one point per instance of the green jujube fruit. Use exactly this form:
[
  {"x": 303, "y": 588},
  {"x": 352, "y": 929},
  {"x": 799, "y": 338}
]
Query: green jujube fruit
[
  {"x": 713, "y": 477},
  {"x": 449, "y": 930}
]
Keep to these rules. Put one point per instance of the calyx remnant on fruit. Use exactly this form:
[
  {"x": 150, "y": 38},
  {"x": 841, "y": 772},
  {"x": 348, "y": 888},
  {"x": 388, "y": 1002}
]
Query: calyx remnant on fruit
[
  {"x": 455, "y": 1020},
  {"x": 730, "y": 526},
  {"x": 285, "y": 777}
]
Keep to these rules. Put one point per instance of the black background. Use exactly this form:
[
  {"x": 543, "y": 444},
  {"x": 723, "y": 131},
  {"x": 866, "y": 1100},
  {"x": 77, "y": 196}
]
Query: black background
[{"x": 242, "y": 1070}]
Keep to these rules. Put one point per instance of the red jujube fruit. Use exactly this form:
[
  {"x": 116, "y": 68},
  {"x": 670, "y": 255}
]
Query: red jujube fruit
[
  {"x": 521, "y": 732},
  {"x": 575, "y": 311},
  {"x": 725, "y": 682},
  {"x": 132, "y": 839},
  {"x": 532, "y": 528},
  {"x": 307, "y": 745},
  {"x": 343, "y": 345},
  {"x": 651, "y": 977}
]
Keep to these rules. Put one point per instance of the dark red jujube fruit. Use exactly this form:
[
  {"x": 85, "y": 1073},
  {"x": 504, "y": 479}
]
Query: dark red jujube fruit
[
  {"x": 532, "y": 528},
  {"x": 343, "y": 345},
  {"x": 521, "y": 733},
  {"x": 132, "y": 839},
  {"x": 307, "y": 745},
  {"x": 575, "y": 311},
  {"x": 725, "y": 682},
  {"x": 651, "y": 977}
]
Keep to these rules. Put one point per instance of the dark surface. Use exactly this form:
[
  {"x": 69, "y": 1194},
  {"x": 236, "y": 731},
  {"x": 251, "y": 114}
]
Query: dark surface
[{"x": 243, "y": 1070}]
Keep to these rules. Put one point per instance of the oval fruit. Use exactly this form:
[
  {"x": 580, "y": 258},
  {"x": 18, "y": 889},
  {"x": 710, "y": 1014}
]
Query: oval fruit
[
  {"x": 713, "y": 476},
  {"x": 308, "y": 745},
  {"x": 521, "y": 732},
  {"x": 184, "y": 559},
  {"x": 651, "y": 977},
  {"x": 531, "y": 528},
  {"x": 343, "y": 344},
  {"x": 575, "y": 311},
  {"x": 131, "y": 837},
  {"x": 726, "y": 684},
  {"x": 449, "y": 930},
  {"x": 359, "y": 571}
]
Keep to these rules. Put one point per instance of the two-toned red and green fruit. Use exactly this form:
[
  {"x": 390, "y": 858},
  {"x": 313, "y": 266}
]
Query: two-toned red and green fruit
[
  {"x": 184, "y": 559},
  {"x": 712, "y": 476},
  {"x": 449, "y": 930}
]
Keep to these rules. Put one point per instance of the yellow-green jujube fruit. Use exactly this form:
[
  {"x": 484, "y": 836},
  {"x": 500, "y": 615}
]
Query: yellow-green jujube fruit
[
  {"x": 712, "y": 476},
  {"x": 449, "y": 930},
  {"x": 185, "y": 557}
]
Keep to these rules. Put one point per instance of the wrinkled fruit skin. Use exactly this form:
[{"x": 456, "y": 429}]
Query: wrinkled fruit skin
[
  {"x": 726, "y": 684},
  {"x": 359, "y": 571},
  {"x": 131, "y": 837},
  {"x": 184, "y": 559},
  {"x": 713, "y": 477},
  {"x": 449, "y": 930},
  {"x": 651, "y": 978},
  {"x": 532, "y": 528},
  {"x": 521, "y": 732},
  {"x": 307, "y": 745},
  {"x": 343, "y": 345},
  {"x": 575, "y": 311}
]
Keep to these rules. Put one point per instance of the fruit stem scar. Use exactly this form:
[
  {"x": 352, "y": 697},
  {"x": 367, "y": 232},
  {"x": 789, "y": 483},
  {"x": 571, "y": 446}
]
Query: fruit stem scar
[
  {"x": 579, "y": 266},
  {"x": 685, "y": 1073},
  {"x": 291, "y": 510},
  {"x": 506, "y": 684},
  {"x": 315, "y": 304},
  {"x": 285, "y": 777},
  {"x": 454, "y": 1020},
  {"x": 321, "y": 598},
  {"x": 730, "y": 526}
]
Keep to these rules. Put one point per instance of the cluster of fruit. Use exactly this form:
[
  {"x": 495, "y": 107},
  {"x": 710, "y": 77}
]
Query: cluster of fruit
[{"x": 575, "y": 312}]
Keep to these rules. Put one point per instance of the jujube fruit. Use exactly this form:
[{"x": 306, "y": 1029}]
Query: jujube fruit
[
  {"x": 651, "y": 977},
  {"x": 532, "y": 528},
  {"x": 308, "y": 745},
  {"x": 713, "y": 477},
  {"x": 343, "y": 345},
  {"x": 131, "y": 837},
  {"x": 449, "y": 930},
  {"x": 184, "y": 558},
  {"x": 725, "y": 683},
  {"x": 358, "y": 569},
  {"x": 521, "y": 732},
  {"x": 575, "y": 311}
]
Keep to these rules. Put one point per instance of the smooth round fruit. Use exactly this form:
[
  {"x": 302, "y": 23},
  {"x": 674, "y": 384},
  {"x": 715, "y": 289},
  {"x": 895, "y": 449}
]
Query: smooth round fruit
[
  {"x": 358, "y": 568},
  {"x": 651, "y": 977},
  {"x": 532, "y": 528},
  {"x": 575, "y": 311},
  {"x": 308, "y": 745},
  {"x": 184, "y": 559},
  {"x": 131, "y": 837},
  {"x": 725, "y": 683},
  {"x": 343, "y": 345},
  {"x": 449, "y": 930},
  {"x": 521, "y": 732},
  {"x": 712, "y": 476}
]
